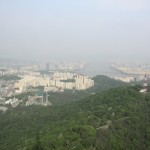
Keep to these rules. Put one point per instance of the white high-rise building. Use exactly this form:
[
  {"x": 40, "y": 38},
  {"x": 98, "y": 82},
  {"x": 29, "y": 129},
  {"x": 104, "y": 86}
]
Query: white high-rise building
[{"x": 60, "y": 80}]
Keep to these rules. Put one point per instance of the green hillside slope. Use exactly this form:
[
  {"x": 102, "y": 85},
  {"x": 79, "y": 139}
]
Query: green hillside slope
[
  {"x": 117, "y": 119},
  {"x": 101, "y": 83}
]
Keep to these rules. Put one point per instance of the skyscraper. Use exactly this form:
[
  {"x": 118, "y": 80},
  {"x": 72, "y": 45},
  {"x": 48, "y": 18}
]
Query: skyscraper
[{"x": 47, "y": 66}]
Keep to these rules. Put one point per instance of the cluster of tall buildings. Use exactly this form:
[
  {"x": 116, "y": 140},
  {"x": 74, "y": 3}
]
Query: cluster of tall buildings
[
  {"x": 132, "y": 70},
  {"x": 125, "y": 79},
  {"x": 64, "y": 66},
  {"x": 59, "y": 82}
]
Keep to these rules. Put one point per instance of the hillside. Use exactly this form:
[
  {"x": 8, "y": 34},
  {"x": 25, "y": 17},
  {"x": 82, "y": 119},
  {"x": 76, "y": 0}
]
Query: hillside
[
  {"x": 101, "y": 83},
  {"x": 117, "y": 119},
  {"x": 104, "y": 83}
]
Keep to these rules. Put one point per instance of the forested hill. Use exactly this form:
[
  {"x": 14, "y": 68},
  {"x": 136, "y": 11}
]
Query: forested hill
[
  {"x": 117, "y": 119},
  {"x": 102, "y": 83},
  {"x": 102, "y": 79},
  {"x": 9, "y": 77}
]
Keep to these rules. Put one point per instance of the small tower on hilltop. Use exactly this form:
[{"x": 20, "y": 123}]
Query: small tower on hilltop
[
  {"x": 45, "y": 101},
  {"x": 44, "y": 97},
  {"x": 145, "y": 85}
]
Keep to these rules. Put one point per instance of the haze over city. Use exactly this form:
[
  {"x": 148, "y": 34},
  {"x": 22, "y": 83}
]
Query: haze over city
[
  {"x": 75, "y": 30},
  {"x": 74, "y": 75}
]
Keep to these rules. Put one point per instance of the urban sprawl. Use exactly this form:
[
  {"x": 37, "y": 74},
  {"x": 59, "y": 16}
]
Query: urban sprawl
[
  {"x": 31, "y": 84},
  {"x": 28, "y": 79}
]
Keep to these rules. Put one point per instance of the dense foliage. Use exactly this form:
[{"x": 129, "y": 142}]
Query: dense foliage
[
  {"x": 68, "y": 80},
  {"x": 117, "y": 119},
  {"x": 9, "y": 77},
  {"x": 102, "y": 83}
]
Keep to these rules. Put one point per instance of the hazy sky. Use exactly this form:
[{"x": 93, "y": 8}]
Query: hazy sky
[{"x": 75, "y": 29}]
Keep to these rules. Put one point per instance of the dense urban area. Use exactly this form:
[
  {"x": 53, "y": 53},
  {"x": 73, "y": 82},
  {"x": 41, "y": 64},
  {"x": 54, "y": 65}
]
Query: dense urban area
[
  {"x": 59, "y": 107},
  {"x": 31, "y": 84}
]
